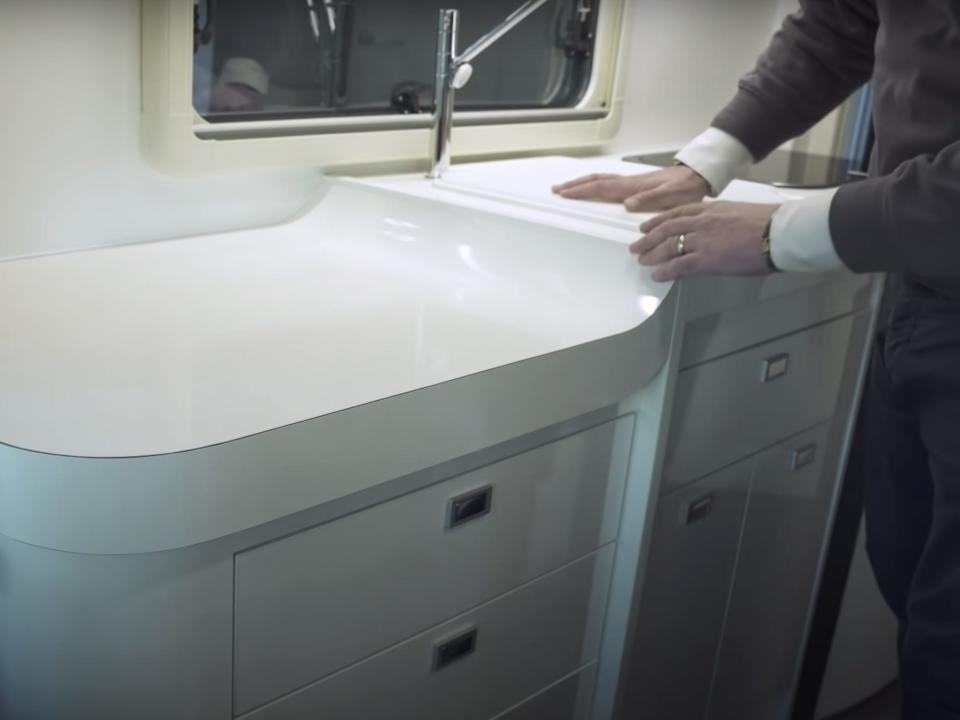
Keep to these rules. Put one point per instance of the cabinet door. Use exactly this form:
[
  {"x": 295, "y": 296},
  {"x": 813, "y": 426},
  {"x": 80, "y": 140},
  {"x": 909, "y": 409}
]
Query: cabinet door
[
  {"x": 686, "y": 587},
  {"x": 772, "y": 594}
]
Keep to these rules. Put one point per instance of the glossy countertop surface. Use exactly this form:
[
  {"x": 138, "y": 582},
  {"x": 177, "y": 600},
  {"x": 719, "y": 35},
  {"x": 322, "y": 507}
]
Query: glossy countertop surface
[{"x": 171, "y": 346}]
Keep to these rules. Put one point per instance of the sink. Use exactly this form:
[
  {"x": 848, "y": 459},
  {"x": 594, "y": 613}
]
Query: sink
[{"x": 176, "y": 345}]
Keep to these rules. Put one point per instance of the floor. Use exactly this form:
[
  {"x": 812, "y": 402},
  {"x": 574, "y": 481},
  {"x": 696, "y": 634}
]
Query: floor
[{"x": 884, "y": 706}]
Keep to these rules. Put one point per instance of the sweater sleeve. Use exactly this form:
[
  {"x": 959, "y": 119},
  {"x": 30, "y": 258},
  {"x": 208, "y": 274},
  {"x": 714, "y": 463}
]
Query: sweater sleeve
[
  {"x": 820, "y": 56},
  {"x": 907, "y": 221}
]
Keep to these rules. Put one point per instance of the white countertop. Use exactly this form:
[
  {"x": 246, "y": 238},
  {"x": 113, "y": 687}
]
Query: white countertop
[
  {"x": 172, "y": 346},
  {"x": 387, "y": 286}
]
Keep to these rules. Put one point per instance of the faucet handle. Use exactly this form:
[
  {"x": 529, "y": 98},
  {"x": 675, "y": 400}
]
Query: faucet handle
[{"x": 461, "y": 76}]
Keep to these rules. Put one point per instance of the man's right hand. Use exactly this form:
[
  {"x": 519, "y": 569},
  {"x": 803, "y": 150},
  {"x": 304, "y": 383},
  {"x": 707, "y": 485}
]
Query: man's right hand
[{"x": 650, "y": 192}]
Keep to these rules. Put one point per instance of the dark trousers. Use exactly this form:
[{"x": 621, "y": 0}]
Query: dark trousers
[{"x": 913, "y": 492}]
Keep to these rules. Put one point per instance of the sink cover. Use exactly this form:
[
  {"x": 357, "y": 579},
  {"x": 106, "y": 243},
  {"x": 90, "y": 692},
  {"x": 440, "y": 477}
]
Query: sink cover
[{"x": 528, "y": 182}]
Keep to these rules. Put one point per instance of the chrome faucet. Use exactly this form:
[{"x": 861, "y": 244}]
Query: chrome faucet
[{"x": 454, "y": 71}]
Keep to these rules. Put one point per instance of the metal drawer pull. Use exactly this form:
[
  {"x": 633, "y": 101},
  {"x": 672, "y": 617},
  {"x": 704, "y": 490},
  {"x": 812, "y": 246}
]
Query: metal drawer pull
[
  {"x": 468, "y": 507},
  {"x": 775, "y": 367},
  {"x": 447, "y": 652},
  {"x": 697, "y": 510},
  {"x": 803, "y": 457}
]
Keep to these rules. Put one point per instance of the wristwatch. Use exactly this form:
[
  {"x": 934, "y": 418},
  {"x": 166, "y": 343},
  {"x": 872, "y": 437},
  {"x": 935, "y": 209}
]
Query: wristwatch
[{"x": 767, "y": 255}]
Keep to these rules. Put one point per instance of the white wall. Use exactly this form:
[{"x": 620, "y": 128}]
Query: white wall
[
  {"x": 70, "y": 167},
  {"x": 686, "y": 57}
]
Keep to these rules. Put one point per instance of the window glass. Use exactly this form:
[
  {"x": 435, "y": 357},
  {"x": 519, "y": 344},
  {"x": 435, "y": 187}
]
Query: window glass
[{"x": 279, "y": 59}]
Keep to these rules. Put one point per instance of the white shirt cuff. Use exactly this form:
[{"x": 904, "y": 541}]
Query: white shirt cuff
[
  {"x": 800, "y": 239},
  {"x": 717, "y": 157}
]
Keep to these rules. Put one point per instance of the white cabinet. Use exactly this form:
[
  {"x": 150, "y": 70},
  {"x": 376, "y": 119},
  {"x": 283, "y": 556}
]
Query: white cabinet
[
  {"x": 321, "y": 600},
  {"x": 694, "y": 553},
  {"x": 478, "y": 664},
  {"x": 732, "y": 407},
  {"x": 775, "y": 580},
  {"x": 753, "y": 456}
]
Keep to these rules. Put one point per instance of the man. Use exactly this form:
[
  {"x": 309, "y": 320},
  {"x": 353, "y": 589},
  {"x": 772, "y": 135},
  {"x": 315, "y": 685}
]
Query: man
[{"x": 904, "y": 219}]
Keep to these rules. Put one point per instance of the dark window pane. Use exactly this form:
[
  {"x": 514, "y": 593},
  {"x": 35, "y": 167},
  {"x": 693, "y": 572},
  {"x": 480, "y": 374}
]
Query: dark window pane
[{"x": 272, "y": 59}]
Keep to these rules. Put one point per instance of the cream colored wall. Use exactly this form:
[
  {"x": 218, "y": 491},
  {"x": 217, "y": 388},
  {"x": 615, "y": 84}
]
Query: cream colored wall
[
  {"x": 71, "y": 170},
  {"x": 685, "y": 60}
]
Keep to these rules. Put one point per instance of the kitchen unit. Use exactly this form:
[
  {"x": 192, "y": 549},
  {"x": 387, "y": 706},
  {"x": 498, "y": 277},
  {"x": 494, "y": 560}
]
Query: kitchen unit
[{"x": 288, "y": 430}]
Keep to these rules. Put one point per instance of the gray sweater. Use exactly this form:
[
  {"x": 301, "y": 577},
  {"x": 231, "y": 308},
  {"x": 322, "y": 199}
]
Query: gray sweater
[{"x": 906, "y": 216}]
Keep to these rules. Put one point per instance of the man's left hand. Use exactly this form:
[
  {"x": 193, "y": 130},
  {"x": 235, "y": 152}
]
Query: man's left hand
[{"x": 719, "y": 238}]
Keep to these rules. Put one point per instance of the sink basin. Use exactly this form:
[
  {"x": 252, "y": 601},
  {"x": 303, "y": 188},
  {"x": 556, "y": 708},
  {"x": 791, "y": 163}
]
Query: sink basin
[{"x": 177, "y": 345}]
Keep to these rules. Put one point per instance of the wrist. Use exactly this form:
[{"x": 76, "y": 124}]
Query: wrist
[
  {"x": 707, "y": 188},
  {"x": 717, "y": 157}
]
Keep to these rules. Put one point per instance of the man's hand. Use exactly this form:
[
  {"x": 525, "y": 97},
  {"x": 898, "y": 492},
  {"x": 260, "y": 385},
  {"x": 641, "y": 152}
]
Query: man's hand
[
  {"x": 649, "y": 192},
  {"x": 719, "y": 238}
]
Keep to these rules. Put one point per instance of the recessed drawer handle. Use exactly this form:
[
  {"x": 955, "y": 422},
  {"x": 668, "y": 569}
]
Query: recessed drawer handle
[
  {"x": 447, "y": 652},
  {"x": 697, "y": 510},
  {"x": 775, "y": 367},
  {"x": 803, "y": 457},
  {"x": 468, "y": 507}
]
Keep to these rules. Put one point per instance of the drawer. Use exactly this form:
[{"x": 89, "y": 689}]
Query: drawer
[
  {"x": 733, "y": 407},
  {"x": 737, "y": 313},
  {"x": 569, "y": 699},
  {"x": 313, "y": 603},
  {"x": 503, "y": 652}
]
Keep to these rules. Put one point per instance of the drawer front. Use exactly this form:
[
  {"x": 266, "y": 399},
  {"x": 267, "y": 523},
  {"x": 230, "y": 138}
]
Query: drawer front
[
  {"x": 569, "y": 699},
  {"x": 521, "y": 642},
  {"x": 773, "y": 590},
  {"x": 733, "y": 407},
  {"x": 725, "y": 315},
  {"x": 313, "y": 603}
]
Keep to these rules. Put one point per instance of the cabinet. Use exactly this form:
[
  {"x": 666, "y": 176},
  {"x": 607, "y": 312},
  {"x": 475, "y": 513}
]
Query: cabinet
[
  {"x": 775, "y": 579},
  {"x": 323, "y": 600},
  {"x": 737, "y": 405},
  {"x": 750, "y": 474},
  {"x": 694, "y": 551},
  {"x": 476, "y": 665}
]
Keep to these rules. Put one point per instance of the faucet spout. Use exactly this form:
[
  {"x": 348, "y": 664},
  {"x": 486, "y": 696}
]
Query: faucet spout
[{"x": 453, "y": 72}]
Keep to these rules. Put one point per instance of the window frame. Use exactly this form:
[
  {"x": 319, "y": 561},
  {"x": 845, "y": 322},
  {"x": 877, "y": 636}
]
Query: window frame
[{"x": 176, "y": 139}]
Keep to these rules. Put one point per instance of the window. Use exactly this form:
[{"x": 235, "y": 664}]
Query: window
[
  {"x": 292, "y": 59},
  {"x": 347, "y": 85}
]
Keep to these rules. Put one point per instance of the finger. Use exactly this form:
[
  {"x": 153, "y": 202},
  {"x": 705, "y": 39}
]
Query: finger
[
  {"x": 689, "y": 210},
  {"x": 580, "y": 181},
  {"x": 660, "y": 199},
  {"x": 611, "y": 189},
  {"x": 667, "y": 251},
  {"x": 678, "y": 268},
  {"x": 671, "y": 229},
  {"x": 648, "y": 201}
]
